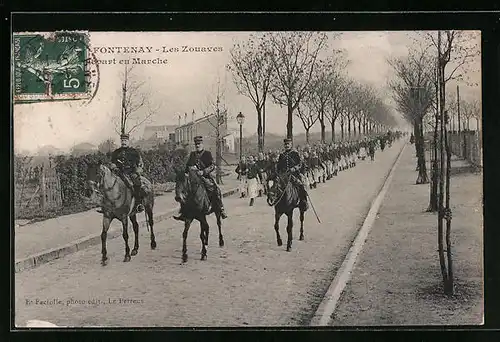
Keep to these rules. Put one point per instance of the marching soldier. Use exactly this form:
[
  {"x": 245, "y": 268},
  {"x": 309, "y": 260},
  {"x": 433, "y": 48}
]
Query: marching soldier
[
  {"x": 128, "y": 161},
  {"x": 289, "y": 161},
  {"x": 252, "y": 179},
  {"x": 262, "y": 164},
  {"x": 242, "y": 170},
  {"x": 203, "y": 162}
]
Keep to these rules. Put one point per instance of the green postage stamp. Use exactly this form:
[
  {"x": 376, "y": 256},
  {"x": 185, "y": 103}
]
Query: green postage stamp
[{"x": 51, "y": 66}]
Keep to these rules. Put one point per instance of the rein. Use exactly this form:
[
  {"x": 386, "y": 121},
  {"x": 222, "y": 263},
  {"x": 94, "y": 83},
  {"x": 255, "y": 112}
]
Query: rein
[{"x": 273, "y": 203}]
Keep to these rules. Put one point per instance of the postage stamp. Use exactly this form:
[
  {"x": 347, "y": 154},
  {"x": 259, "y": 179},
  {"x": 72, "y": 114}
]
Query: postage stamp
[{"x": 52, "y": 66}]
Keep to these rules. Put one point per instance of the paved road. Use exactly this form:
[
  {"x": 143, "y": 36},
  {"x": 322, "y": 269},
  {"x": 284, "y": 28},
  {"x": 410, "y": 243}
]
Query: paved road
[{"x": 251, "y": 281}]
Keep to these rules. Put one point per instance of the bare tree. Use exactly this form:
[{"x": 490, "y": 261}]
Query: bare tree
[
  {"x": 294, "y": 56},
  {"x": 136, "y": 106},
  {"x": 335, "y": 105},
  {"x": 251, "y": 68},
  {"x": 323, "y": 86},
  {"x": 413, "y": 91},
  {"x": 217, "y": 106},
  {"x": 306, "y": 112},
  {"x": 456, "y": 49}
]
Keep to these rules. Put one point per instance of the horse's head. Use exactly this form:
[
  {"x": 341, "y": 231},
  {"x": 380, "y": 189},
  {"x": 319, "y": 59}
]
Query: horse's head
[
  {"x": 181, "y": 185},
  {"x": 276, "y": 188},
  {"x": 96, "y": 173}
]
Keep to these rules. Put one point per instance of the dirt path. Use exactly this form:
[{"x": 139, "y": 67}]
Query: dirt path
[
  {"x": 251, "y": 281},
  {"x": 397, "y": 279}
]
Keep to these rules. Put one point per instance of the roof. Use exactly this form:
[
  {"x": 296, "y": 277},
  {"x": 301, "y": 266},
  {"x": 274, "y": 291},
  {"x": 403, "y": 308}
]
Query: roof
[{"x": 204, "y": 118}]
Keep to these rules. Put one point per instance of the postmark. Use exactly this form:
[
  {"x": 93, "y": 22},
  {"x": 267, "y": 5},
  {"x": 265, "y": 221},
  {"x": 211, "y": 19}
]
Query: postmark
[{"x": 53, "y": 67}]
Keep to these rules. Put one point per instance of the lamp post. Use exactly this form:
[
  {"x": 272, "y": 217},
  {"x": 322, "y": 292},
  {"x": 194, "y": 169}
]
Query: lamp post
[{"x": 240, "y": 118}]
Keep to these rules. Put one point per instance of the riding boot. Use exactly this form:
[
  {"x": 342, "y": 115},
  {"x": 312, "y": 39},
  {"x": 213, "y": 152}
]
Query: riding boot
[{"x": 139, "y": 207}]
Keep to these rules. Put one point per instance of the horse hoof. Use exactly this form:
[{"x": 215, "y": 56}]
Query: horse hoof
[
  {"x": 104, "y": 262},
  {"x": 203, "y": 257},
  {"x": 184, "y": 258},
  {"x": 127, "y": 258},
  {"x": 134, "y": 252},
  {"x": 301, "y": 238},
  {"x": 280, "y": 243},
  {"x": 288, "y": 249},
  {"x": 221, "y": 243},
  {"x": 153, "y": 244}
]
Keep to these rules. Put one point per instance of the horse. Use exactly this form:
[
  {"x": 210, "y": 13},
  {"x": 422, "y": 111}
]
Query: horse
[
  {"x": 284, "y": 196},
  {"x": 119, "y": 203},
  {"x": 191, "y": 193}
]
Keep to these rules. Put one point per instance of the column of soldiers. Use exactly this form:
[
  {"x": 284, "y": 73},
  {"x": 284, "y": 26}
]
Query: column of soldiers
[{"x": 320, "y": 162}]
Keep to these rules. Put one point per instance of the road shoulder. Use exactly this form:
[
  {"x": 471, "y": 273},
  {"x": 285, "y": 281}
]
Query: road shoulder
[{"x": 399, "y": 268}]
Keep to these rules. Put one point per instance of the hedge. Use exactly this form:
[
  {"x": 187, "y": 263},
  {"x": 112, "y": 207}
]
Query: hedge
[{"x": 159, "y": 167}]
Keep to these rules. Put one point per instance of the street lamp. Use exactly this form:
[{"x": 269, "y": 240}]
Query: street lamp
[{"x": 240, "y": 118}]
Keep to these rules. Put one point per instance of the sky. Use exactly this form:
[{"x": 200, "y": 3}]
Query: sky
[{"x": 185, "y": 83}]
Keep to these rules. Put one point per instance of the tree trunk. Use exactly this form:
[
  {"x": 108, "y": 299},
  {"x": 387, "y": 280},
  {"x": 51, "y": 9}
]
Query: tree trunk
[
  {"x": 264, "y": 124},
  {"x": 260, "y": 142},
  {"x": 354, "y": 127},
  {"x": 419, "y": 142},
  {"x": 359, "y": 126},
  {"x": 289, "y": 124},
  {"x": 332, "y": 123},
  {"x": 342, "y": 124},
  {"x": 433, "y": 197},
  {"x": 307, "y": 136},
  {"x": 322, "y": 124},
  {"x": 349, "y": 127}
]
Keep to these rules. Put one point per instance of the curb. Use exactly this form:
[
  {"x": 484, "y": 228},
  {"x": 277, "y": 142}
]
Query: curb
[
  {"x": 322, "y": 316},
  {"x": 44, "y": 257}
]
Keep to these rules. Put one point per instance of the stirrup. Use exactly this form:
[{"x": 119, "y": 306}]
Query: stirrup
[
  {"x": 223, "y": 214},
  {"x": 100, "y": 210},
  {"x": 139, "y": 208}
]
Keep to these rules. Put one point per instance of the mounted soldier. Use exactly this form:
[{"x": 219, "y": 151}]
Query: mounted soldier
[
  {"x": 128, "y": 162},
  {"x": 203, "y": 162},
  {"x": 289, "y": 162}
]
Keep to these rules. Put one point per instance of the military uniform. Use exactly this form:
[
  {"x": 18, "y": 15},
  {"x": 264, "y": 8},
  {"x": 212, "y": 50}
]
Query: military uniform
[
  {"x": 129, "y": 161},
  {"x": 289, "y": 161},
  {"x": 203, "y": 161}
]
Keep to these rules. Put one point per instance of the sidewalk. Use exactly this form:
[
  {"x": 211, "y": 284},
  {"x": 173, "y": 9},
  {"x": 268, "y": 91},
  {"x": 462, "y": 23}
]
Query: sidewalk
[
  {"x": 53, "y": 234},
  {"x": 397, "y": 278}
]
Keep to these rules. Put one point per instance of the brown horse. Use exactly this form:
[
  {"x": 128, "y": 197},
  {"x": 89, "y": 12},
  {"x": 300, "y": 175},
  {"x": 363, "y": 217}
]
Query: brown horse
[
  {"x": 191, "y": 193},
  {"x": 284, "y": 196},
  {"x": 118, "y": 203}
]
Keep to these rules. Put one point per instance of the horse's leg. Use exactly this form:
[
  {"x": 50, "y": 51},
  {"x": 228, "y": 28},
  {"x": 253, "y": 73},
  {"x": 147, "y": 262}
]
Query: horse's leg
[
  {"x": 187, "y": 224},
  {"x": 149, "y": 218},
  {"x": 301, "y": 237},
  {"x": 106, "y": 222},
  {"x": 135, "y": 227},
  {"x": 204, "y": 237},
  {"x": 289, "y": 228},
  {"x": 124, "y": 220},
  {"x": 277, "y": 217},
  {"x": 219, "y": 225}
]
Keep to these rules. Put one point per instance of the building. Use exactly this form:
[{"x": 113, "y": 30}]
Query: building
[
  {"x": 159, "y": 132},
  {"x": 204, "y": 126}
]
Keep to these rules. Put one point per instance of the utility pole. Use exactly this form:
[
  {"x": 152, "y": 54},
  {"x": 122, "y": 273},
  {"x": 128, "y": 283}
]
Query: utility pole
[{"x": 459, "y": 120}]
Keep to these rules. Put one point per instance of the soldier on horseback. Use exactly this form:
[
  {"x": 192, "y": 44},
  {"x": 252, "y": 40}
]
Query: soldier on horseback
[
  {"x": 289, "y": 162},
  {"x": 128, "y": 162},
  {"x": 203, "y": 161}
]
